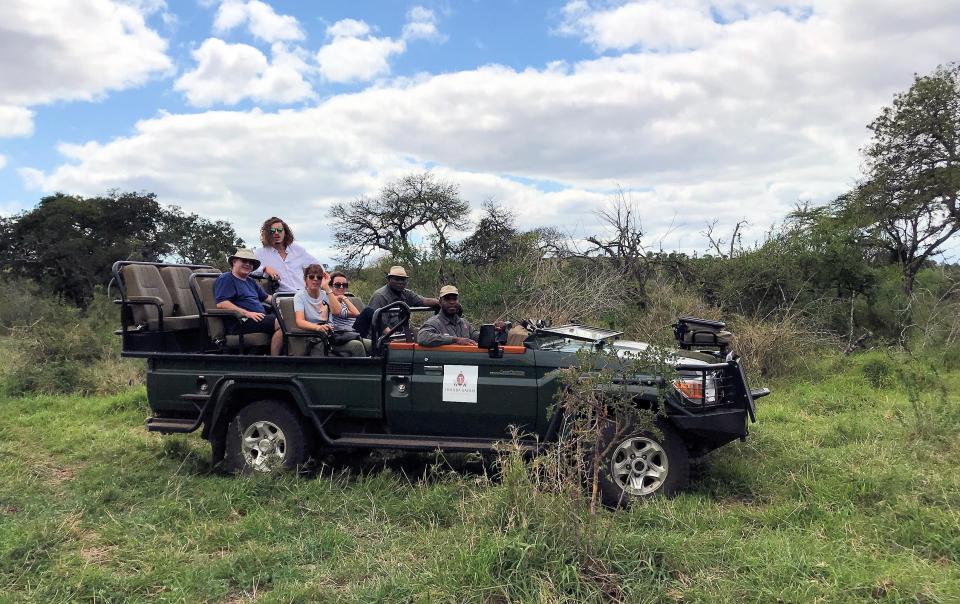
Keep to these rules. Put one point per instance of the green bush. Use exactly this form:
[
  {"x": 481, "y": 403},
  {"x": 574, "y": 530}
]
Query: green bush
[
  {"x": 879, "y": 372},
  {"x": 60, "y": 349}
]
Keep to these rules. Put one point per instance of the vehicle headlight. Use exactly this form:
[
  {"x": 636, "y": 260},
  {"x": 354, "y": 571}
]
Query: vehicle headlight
[{"x": 701, "y": 390}]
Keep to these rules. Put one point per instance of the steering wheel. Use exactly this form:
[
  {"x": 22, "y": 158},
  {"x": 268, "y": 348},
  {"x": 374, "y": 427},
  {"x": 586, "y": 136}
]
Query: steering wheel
[{"x": 377, "y": 322}]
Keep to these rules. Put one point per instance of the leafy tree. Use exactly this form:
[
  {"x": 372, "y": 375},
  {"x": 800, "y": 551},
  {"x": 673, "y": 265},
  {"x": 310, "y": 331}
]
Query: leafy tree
[
  {"x": 911, "y": 196},
  {"x": 68, "y": 243},
  {"x": 193, "y": 239},
  {"x": 387, "y": 221},
  {"x": 493, "y": 237}
]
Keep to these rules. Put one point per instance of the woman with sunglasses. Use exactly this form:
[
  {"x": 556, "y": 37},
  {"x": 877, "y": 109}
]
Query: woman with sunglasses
[
  {"x": 312, "y": 307},
  {"x": 348, "y": 310}
]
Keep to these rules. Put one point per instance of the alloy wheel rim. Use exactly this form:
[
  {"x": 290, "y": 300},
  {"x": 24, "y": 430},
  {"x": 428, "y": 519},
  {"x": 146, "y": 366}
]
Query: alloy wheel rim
[
  {"x": 264, "y": 446},
  {"x": 639, "y": 465}
]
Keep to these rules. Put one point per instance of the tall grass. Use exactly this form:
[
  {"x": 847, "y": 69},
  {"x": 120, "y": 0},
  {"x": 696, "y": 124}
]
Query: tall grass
[
  {"x": 836, "y": 496},
  {"x": 57, "y": 348}
]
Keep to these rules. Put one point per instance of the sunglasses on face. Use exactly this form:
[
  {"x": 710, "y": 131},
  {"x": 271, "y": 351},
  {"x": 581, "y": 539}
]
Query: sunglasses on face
[
  {"x": 314, "y": 277},
  {"x": 276, "y": 229},
  {"x": 398, "y": 278},
  {"x": 341, "y": 285},
  {"x": 246, "y": 262}
]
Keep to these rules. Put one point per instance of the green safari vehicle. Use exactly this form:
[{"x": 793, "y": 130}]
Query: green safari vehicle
[{"x": 267, "y": 414}]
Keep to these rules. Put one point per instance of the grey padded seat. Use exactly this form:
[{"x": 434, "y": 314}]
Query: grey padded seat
[
  {"x": 203, "y": 284},
  {"x": 144, "y": 281},
  {"x": 707, "y": 337},
  {"x": 296, "y": 346},
  {"x": 177, "y": 280}
]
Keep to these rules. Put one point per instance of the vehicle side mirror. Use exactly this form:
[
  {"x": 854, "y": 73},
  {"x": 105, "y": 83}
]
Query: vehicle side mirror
[{"x": 488, "y": 339}]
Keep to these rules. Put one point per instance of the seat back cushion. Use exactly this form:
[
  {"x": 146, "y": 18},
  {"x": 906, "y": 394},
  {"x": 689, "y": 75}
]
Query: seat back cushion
[
  {"x": 296, "y": 346},
  {"x": 177, "y": 280},
  {"x": 204, "y": 290},
  {"x": 145, "y": 280}
]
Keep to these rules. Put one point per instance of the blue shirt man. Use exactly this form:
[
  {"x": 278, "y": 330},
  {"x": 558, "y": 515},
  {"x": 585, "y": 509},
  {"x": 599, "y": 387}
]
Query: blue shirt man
[{"x": 238, "y": 292}]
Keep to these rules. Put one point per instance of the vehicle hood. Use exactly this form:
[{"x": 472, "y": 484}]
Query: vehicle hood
[{"x": 630, "y": 348}]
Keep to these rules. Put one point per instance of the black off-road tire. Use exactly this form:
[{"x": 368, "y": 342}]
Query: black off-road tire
[
  {"x": 268, "y": 437},
  {"x": 660, "y": 465}
]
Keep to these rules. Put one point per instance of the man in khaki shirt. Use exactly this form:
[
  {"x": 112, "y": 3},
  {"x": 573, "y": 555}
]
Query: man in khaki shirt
[{"x": 448, "y": 327}]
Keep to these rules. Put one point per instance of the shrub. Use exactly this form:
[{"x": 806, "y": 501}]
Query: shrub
[
  {"x": 878, "y": 371},
  {"x": 773, "y": 347},
  {"x": 62, "y": 349}
]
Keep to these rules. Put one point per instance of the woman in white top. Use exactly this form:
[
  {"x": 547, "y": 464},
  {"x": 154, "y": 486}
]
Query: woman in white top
[{"x": 312, "y": 306}]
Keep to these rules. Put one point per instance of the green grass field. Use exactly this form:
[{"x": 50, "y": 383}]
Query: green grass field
[{"x": 848, "y": 490}]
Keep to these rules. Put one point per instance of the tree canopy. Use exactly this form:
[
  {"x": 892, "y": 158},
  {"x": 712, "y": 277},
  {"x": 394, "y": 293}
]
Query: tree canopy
[
  {"x": 387, "y": 221},
  {"x": 909, "y": 198},
  {"x": 68, "y": 243}
]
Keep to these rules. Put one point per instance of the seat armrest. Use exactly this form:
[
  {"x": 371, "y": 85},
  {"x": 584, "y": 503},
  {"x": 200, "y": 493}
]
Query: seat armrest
[
  {"x": 222, "y": 312},
  {"x": 145, "y": 300},
  {"x": 301, "y": 333},
  {"x": 153, "y": 300}
]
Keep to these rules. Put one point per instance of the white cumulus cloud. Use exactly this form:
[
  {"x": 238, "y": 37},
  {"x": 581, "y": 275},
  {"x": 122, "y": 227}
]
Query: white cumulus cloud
[
  {"x": 261, "y": 20},
  {"x": 770, "y": 111},
  {"x": 422, "y": 25},
  {"x": 74, "y": 50},
  {"x": 652, "y": 25},
  {"x": 228, "y": 73},
  {"x": 353, "y": 54},
  {"x": 15, "y": 121}
]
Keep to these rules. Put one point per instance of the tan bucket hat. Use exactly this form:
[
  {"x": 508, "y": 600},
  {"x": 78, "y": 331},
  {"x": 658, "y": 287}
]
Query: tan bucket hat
[
  {"x": 447, "y": 290},
  {"x": 245, "y": 254},
  {"x": 397, "y": 271}
]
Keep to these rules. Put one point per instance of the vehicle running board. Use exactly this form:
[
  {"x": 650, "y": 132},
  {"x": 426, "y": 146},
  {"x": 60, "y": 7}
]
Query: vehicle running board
[
  {"x": 170, "y": 425},
  {"x": 426, "y": 443}
]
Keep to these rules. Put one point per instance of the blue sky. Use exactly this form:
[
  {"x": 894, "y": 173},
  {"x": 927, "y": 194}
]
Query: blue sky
[{"x": 699, "y": 111}]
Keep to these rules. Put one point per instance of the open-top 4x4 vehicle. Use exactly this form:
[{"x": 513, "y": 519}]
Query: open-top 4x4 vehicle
[{"x": 266, "y": 414}]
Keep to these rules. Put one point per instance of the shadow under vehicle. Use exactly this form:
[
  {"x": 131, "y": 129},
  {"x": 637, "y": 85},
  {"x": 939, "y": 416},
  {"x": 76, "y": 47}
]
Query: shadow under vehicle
[{"x": 267, "y": 414}]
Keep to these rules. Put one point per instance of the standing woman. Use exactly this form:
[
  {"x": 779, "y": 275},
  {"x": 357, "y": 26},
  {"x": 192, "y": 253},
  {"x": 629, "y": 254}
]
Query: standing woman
[{"x": 313, "y": 304}]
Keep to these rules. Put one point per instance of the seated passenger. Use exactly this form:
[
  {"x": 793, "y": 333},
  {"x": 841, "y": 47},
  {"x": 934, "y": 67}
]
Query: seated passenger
[
  {"x": 236, "y": 291},
  {"x": 312, "y": 308},
  {"x": 448, "y": 327},
  {"x": 395, "y": 290},
  {"x": 345, "y": 319}
]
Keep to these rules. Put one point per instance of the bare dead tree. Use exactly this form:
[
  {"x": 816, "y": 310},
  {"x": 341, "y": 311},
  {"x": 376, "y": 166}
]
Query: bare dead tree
[
  {"x": 624, "y": 245},
  {"x": 733, "y": 245}
]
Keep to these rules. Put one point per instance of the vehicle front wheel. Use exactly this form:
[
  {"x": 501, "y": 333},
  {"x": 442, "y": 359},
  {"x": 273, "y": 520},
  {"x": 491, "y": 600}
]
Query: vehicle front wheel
[
  {"x": 641, "y": 463},
  {"x": 265, "y": 436}
]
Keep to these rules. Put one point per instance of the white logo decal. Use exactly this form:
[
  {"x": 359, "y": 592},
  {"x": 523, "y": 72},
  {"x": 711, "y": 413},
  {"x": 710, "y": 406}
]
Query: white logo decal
[{"x": 460, "y": 383}]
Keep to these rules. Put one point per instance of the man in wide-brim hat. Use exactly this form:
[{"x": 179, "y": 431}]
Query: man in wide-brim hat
[
  {"x": 396, "y": 289},
  {"x": 238, "y": 292}
]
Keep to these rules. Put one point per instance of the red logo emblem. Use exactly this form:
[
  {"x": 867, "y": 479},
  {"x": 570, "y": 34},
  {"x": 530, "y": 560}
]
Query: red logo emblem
[{"x": 461, "y": 380}]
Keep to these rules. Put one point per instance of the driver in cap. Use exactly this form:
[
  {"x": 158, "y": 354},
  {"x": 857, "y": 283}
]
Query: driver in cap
[{"x": 448, "y": 327}]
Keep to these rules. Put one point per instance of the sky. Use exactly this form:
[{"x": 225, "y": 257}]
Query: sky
[{"x": 696, "y": 111}]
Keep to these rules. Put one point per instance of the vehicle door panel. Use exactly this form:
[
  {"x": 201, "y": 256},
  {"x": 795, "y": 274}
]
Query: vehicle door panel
[{"x": 506, "y": 394}]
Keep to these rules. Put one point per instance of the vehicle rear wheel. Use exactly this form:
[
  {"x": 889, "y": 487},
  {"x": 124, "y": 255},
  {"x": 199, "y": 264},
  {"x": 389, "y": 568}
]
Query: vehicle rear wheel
[
  {"x": 267, "y": 437},
  {"x": 640, "y": 463}
]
